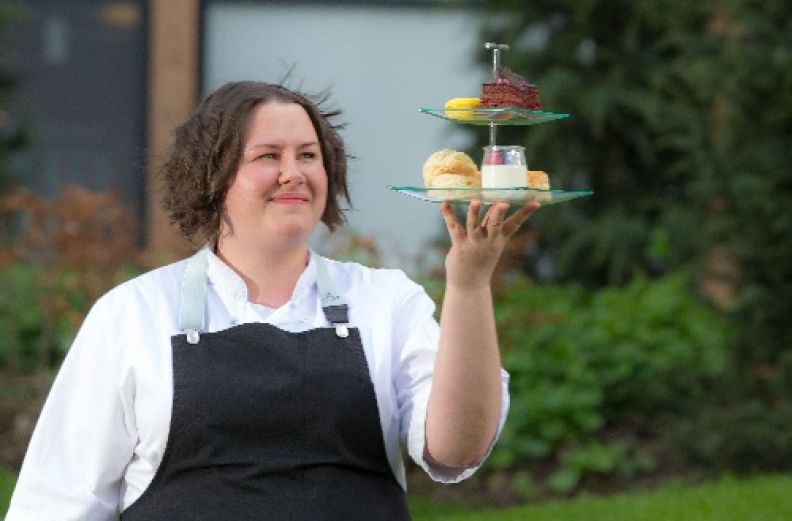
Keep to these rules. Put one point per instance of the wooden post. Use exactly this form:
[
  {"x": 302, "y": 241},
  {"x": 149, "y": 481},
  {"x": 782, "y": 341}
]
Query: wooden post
[{"x": 172, "y": 95}]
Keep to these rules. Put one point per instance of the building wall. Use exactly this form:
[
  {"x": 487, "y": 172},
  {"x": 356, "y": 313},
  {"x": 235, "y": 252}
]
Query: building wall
[
  {"x": 173, "y": 93},
  {"x": 382, "y": 63},
  {"x": 80, "y": 91}
]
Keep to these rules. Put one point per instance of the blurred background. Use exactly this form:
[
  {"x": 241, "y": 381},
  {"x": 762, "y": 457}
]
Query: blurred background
[{"x": 646, "y": 328}]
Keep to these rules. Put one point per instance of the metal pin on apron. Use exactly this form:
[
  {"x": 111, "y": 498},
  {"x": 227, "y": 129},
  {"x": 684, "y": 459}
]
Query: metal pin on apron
[
  {"x": 342, "y": 331},
  {"x": 193, "y": 337}
]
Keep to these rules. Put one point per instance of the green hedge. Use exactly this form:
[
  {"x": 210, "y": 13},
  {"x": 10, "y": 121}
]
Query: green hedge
[
  {"x": 59, "y": 255},
  {"x": 41, "y": 310},
  {"x": 584, "y": 364},
  {"x": 37, "y": 317}
]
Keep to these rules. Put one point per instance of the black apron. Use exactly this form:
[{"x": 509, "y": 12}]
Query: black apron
[{"x": 272, "y": 425}]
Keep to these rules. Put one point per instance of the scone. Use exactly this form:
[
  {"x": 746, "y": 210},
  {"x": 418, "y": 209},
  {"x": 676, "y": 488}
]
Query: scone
[
  {"x": 450, "y": 169},
  {"x": 537, "y": 180},
  {"x": 455, "y": 181}
]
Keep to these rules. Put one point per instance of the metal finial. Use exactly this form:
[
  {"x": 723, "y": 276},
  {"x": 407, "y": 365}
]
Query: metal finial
[{"x": 496, "y": 49}]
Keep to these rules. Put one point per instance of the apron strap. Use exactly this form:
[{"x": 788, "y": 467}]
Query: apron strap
[
  {"x": 192, "y": 310},
  {"x": 334, "y": 305},
  {"x": 193, "y": 296}
]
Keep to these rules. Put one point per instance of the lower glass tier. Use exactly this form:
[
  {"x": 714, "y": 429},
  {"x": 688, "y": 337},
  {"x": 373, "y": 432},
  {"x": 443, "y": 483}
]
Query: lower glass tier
[{"x": 516, "y": 195}]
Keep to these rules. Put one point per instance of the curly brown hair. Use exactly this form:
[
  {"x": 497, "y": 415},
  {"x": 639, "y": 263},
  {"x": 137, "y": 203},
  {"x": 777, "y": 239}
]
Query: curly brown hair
[{"x": 205, "y": 155}]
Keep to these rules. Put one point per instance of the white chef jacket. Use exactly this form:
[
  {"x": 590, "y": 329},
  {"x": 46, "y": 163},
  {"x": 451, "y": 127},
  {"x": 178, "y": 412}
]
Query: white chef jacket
[{"x": 104, "y": 426}]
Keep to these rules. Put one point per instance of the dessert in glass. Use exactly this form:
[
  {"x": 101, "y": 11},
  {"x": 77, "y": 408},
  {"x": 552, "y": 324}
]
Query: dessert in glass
[{"x": 503, "y": 167}]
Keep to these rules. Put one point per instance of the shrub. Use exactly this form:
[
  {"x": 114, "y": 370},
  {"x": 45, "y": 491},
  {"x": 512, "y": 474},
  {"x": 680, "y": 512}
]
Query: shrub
[
  {"x": 37, "y": 328},
  {"x": 739, "y": 435},
  {"x": 585, "y": 365},
  {"x": 60, "y": 254}
]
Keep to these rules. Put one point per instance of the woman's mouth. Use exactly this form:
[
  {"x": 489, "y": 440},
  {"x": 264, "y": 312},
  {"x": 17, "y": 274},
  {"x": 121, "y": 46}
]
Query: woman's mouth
[{"x": 289, "y": 199}]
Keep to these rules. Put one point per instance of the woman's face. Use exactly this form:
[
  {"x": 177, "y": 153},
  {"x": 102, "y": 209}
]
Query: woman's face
[{"x": 280, "y": 188}]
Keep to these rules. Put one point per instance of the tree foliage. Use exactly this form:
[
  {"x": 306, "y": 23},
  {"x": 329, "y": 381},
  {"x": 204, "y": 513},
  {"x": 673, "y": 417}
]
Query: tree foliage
[{"x": 681, "y": 123}]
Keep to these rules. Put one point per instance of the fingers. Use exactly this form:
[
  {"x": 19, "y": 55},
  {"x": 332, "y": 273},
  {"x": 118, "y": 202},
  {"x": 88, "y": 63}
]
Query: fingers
[
  {"x": 494, "y": 217},
  {"x": 494, "y": 223},
  {"x": 473, "y": 214},
  {"x": 455, "y": 230},
  {"x": 473, "y": 228},
  {"x": 516, "y": 220}
]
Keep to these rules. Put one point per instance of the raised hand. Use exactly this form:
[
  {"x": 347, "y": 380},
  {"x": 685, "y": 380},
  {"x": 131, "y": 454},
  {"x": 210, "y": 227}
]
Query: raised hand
[{"x": 477, "y": 245}]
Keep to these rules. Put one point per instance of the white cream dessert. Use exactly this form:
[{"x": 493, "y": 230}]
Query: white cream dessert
[
  {"x": 503, "y": 176},
  {"x": 503, "y": 167}
]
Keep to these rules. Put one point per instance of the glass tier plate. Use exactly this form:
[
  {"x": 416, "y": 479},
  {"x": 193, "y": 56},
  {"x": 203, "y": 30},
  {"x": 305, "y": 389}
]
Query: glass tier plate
[
  {"x": 498, "y": 116},
  {"x": 515, "y": 196}
]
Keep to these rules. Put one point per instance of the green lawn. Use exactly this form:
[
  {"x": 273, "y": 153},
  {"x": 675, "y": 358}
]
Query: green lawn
[
  {"x": 7, "y": 480},
  {"x": 767, "y": 498}
]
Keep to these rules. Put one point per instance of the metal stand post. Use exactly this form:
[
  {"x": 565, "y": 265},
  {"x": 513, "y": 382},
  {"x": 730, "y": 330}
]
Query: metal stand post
[{"x": 496, "y": 49}]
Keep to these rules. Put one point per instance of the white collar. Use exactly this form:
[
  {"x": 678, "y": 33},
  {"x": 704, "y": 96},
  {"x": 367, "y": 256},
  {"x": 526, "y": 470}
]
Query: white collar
[{"x": 233, "y": 291}]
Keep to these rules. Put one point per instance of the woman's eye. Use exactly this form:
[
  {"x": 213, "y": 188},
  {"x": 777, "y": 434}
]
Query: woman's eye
[
  {"x": 268, "y": 155},
  {"x": 308, "y": 155}
]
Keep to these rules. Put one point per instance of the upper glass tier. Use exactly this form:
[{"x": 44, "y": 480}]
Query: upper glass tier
[{"x": 494, "y": 116}]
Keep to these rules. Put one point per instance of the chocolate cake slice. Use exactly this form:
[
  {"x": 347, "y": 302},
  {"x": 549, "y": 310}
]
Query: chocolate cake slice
[{"x": 510, "y": 90}]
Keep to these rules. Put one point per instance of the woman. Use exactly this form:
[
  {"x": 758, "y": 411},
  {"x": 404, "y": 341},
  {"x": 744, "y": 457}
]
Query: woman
[{"x": 258, "y": 380}]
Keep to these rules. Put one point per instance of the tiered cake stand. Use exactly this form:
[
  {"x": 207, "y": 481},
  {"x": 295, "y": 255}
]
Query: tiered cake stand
[{"x": 492, "y": 117}]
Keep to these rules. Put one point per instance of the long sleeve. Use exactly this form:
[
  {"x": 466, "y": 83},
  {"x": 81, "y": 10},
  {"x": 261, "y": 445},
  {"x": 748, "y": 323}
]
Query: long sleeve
[
  {"x": 85, "y": 434},
  {"x": 416, "y": 341}
]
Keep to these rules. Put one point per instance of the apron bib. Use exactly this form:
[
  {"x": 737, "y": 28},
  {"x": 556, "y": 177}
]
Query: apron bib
[{"x": 271, "y": 425}]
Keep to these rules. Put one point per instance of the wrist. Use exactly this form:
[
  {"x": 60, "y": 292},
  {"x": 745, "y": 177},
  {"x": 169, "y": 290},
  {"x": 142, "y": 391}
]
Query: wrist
[{"x": 472, "y": 288}]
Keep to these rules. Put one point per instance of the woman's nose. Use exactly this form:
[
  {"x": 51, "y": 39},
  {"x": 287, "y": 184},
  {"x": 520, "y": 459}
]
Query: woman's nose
[{"x": 290, "y": 172}]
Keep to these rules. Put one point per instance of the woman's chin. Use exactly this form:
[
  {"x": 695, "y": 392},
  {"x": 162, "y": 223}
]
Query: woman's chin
[{"x": 297, "y": 230}]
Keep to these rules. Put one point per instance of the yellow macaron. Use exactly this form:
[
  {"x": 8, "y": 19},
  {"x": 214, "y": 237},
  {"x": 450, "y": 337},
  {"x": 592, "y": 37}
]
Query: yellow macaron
[{"x": 460, "y": 108}]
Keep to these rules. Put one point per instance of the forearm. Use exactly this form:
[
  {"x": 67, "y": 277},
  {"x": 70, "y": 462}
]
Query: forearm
[{"x": 465, "y": 402}]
